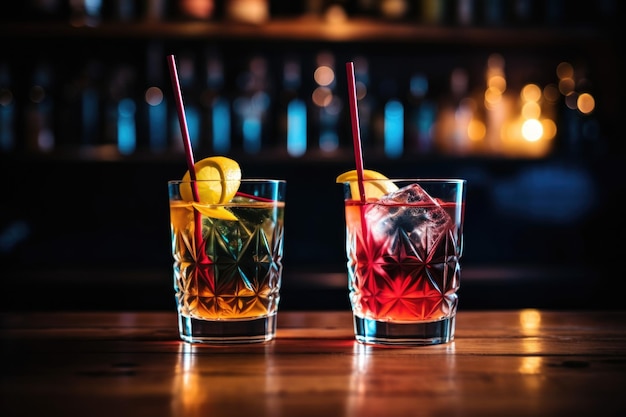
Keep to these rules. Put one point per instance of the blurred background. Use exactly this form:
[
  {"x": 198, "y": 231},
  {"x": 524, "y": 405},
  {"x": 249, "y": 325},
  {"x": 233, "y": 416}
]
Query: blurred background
[{"x": 522, "y": 98}]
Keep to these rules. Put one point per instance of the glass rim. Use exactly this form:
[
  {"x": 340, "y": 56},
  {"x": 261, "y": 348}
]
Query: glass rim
[
  {"x": 246, "y": 180},
  {"x": 415, "y": 180}
]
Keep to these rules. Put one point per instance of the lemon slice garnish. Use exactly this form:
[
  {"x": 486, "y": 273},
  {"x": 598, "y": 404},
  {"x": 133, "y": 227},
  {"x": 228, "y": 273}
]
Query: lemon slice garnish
[
  {"x": 375, "y": 184},
  {"x": 224, "y": 175},
  {"x": 219, "y": 178}
]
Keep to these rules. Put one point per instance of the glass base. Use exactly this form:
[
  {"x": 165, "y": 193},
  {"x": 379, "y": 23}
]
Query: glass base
[
  {"x": 386, "y": 333},
  {"x": 259, "y": 330}
]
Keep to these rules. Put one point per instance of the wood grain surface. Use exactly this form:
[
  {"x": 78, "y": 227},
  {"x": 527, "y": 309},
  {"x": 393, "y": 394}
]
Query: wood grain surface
[{"x": 502, "y": 363}]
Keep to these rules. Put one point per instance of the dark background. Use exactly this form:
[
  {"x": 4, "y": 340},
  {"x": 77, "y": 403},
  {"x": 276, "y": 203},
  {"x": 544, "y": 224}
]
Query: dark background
[
  {"x": 83, "y": 227},
  {"x": 544, "y": 234}
]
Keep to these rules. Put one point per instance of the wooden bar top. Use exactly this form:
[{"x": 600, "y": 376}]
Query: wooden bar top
[{"x": 502, "y": 363}]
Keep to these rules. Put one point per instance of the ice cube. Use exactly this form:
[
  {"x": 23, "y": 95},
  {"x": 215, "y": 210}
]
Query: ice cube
[
  {"x": 412, "y": 193},
  {"x": 409, "y": 212}
]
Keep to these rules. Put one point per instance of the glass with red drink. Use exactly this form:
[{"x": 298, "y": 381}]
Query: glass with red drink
[{"x": 404, "y": 243}]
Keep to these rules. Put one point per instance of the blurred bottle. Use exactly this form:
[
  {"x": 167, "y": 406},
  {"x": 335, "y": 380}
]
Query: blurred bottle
[
  {"x": 78, "y": 106},
  {"x": 391, "y": 110},
  {"x": 465, "y": 12},
  {"x": 39, "y": 118},
  {"x": 495, "y": 12},
  {"x": 194, "y": 9},
  {"x": 293, "y": 109},
  {"x": 394, "y": 9},
  {"x": 90, "y": 89},
  {"x": 366, "y": 97},
  {"x": 314, "y": 8},
  {"x": 421, "y": 115},
  {"x": 85, "y": 12},
  {"x": 120, "y": 110},
  {"x": 523, "y": 13},
  {"x": 120, "y": 10},
  {"x": 434, "y": 12},
  {"x": 579, "y": 127},
  {"x": 7, "y": 109},
  {"x": 327, "y": 106},
  {"x": 387, "y": 116},
  {"x": 252, "y": 106},
  {"x": 247, "y": 11},
  {"x": 153, "y": 131},
  {"x": 216, "y": 105},
  {"x": 154, "y": 10},
  {"x": 456, "y": 112},
  {"x": 497, "y": 103}
]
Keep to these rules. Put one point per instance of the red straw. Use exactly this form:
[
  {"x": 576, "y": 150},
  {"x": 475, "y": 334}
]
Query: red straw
[
  {"x": 183, "y": 124},
  {"x": 188, "y": 151},
  {"x": 356, "y": 132}
]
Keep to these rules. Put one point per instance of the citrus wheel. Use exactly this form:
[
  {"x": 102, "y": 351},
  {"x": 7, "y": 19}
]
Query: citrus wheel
[
  {"x": 375, "y": 184},
  {"x": 218, "y": 179}
]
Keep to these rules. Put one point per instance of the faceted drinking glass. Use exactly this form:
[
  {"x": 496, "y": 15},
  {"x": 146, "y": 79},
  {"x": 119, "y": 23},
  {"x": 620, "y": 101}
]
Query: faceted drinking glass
[
  {"x": 228, "y": 260},
  {"x": 404, "y": 250}
]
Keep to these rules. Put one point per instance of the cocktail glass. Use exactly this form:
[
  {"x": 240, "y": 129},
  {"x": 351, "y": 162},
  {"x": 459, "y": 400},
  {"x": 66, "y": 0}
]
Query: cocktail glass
[
  {"x": 227, "y": 278},
  {"x": 404, "y": 250}
]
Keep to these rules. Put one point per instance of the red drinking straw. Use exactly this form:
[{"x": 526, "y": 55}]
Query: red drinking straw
[
  {"x": 356, "y": 132},
  {"x": 183, "y": 124},
  {"x": 188, "y": 150},
  {"x": 180, "y": 108},
  {"x": 356, "y": 139}
]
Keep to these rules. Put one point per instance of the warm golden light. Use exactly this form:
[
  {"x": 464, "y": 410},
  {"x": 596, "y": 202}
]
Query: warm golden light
[
  {"x": 335, "y": 14},
  {"x": 530, "y": 320},
  {"x": 532, "y": 130},
  {"x": 476, "y": 130},
  {"x": 551, "y": 93},
  {"x": 493, "y": 96},
  {"x": 188, "y": 392},
  {"x": 565, "y": 70},
  {"x": 322, "y": 96},
  {"x": 586, "y": 103},
  {"x": 566, "y": 86},
  {"x": 497, "y": 82},
  {"x": 549, "y": 128},
  {"x": 531, "y": 365},
  {"x": 324, "y": 75},
  {"x": 154, "y": 96},
  {"x": 510, "y": 134},
  {"x": 361, "y": 90},
  {"x": 394, "y": 8},
  {"x": 199, "y": 9},
  {"x": 531, "y": 110},
  {"x": 495, "y": 73},
  {"x": 531, "y": 92}
]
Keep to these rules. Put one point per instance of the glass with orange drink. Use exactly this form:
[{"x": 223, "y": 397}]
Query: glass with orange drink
[{"x": 227, "y": 244}]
